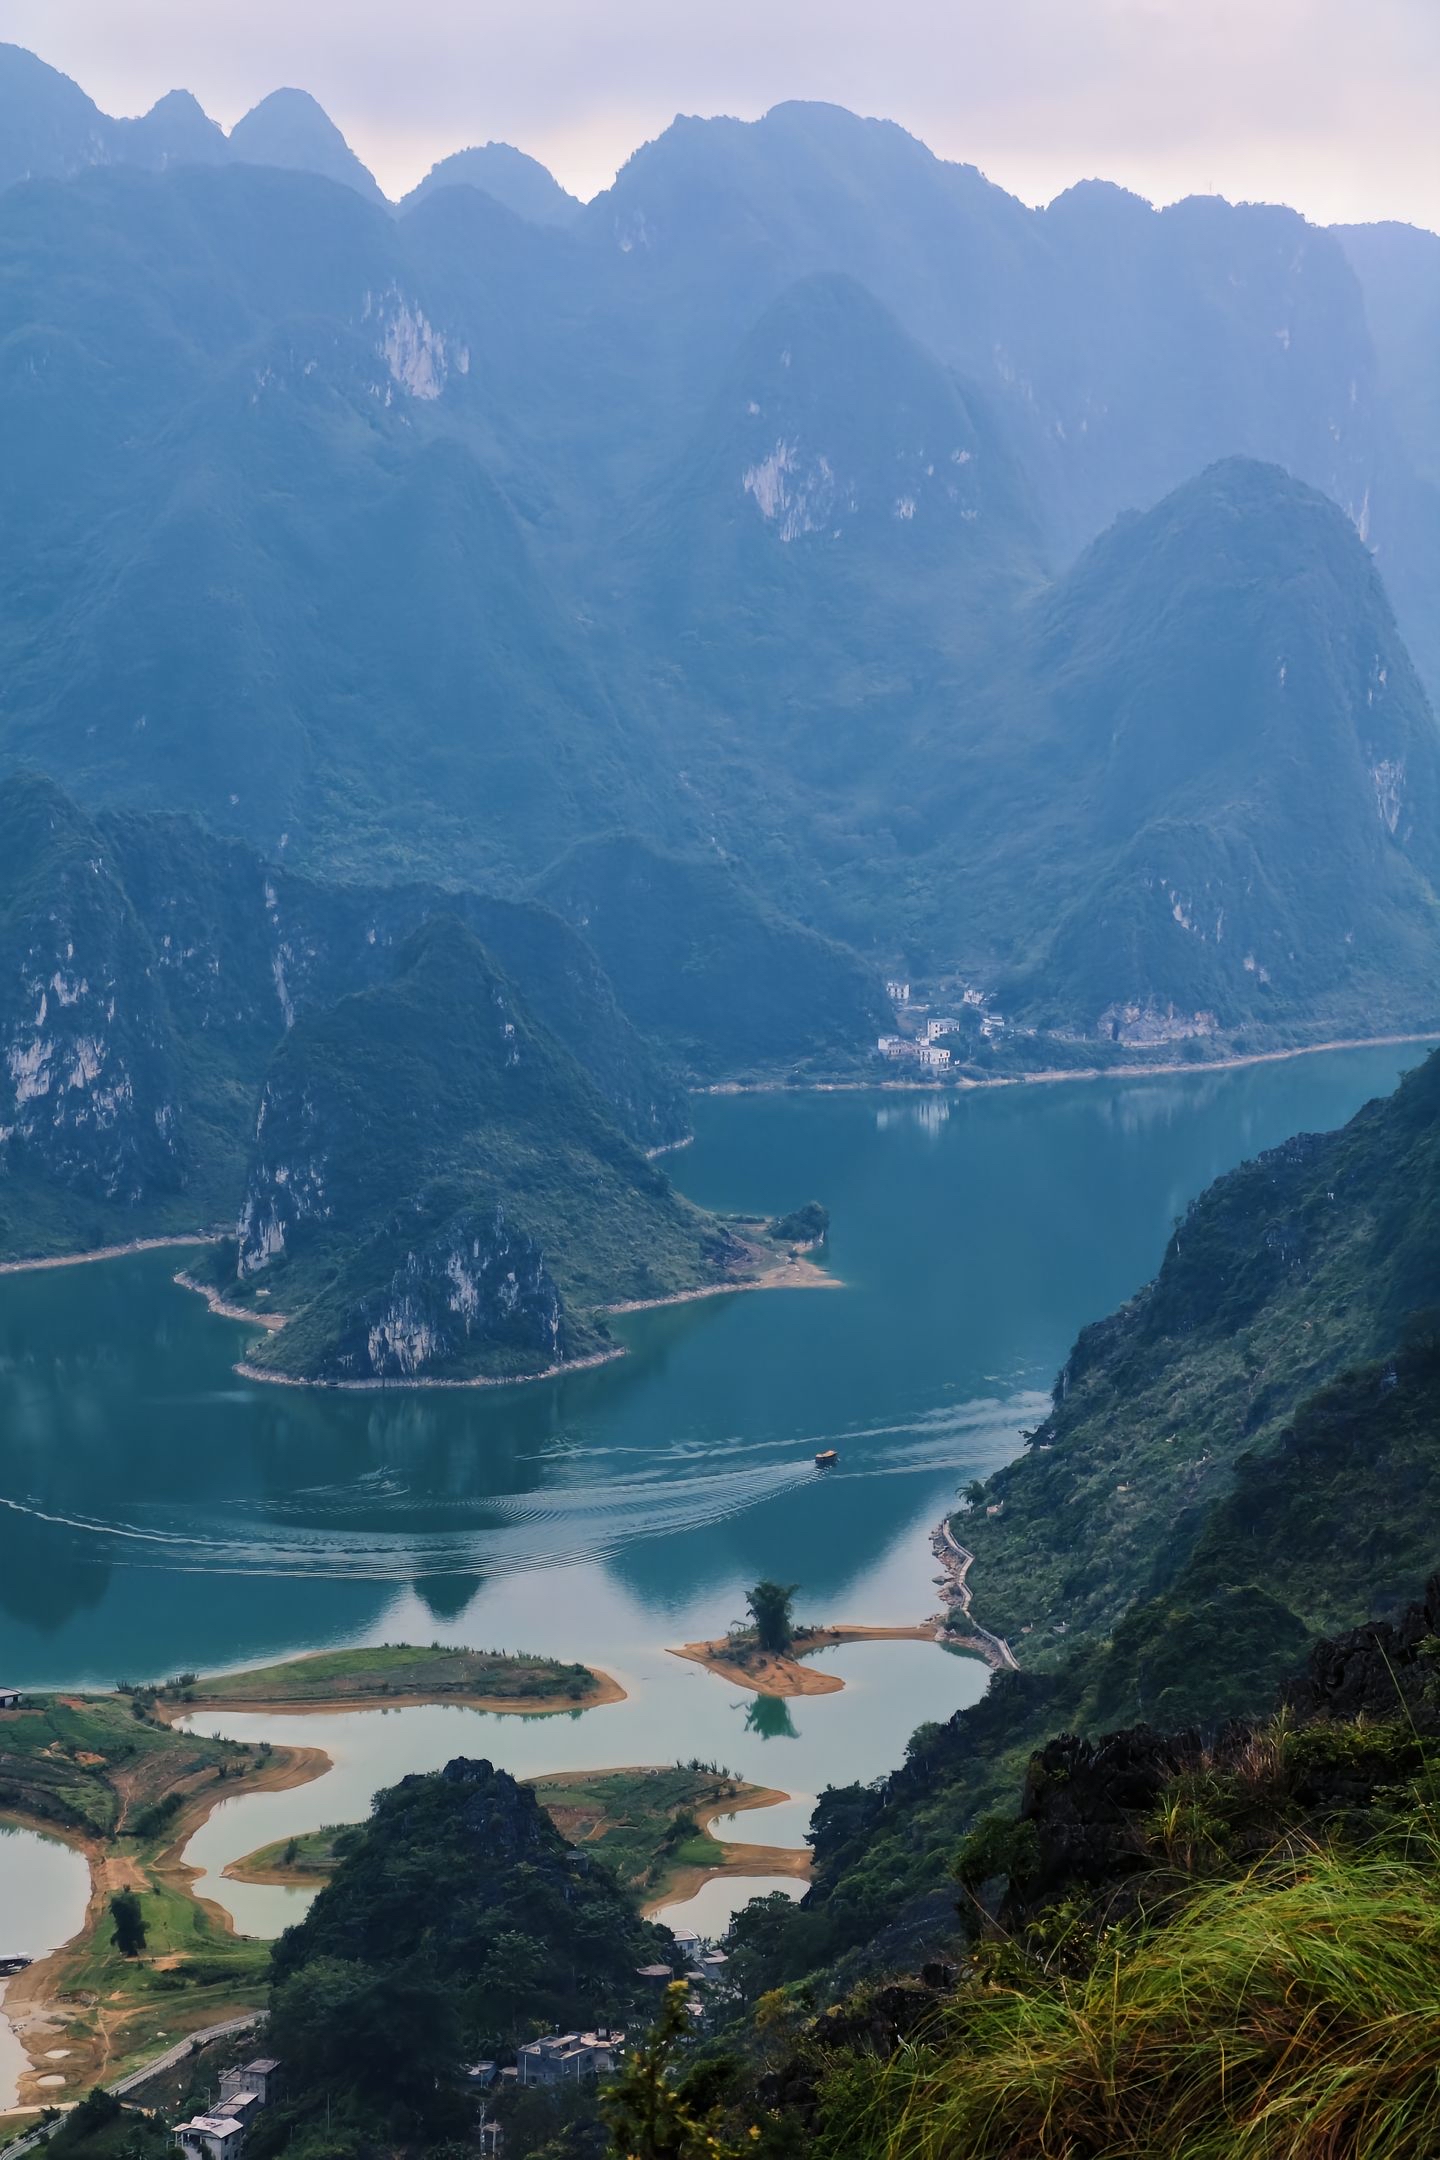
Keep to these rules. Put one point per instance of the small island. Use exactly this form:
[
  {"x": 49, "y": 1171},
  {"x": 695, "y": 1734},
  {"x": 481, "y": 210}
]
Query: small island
[
  {"x": 363, "y": 1678},
  {"x": 765, "y": 1654}
]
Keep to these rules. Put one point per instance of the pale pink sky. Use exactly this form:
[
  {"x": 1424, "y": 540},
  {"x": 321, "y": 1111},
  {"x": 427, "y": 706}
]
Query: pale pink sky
[{"x": 1327, "y": 104}]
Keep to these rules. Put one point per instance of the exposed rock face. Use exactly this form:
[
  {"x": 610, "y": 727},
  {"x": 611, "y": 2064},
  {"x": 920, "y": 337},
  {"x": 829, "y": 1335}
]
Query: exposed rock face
[
  {"x": 1143, "y": 1021},
  {"x": 478, "y": 1283},
  {"x": 1382, "y": 1670},
  {"x": 89, "y": 1091}
]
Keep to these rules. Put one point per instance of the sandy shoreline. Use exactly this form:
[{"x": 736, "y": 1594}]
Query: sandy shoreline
[
  {"x": 481, "y": 1380},
  {"x": 222, "y": 1307},
  {"x": 794, "y": 1861},
  {"x": 109, "y": 1252},
  {"x": 32, "y": 1999},
  {"x": 769, "y": 1674},
  {"x": 782, "y": 1274},
  {"x": 959, "y": 1086}
]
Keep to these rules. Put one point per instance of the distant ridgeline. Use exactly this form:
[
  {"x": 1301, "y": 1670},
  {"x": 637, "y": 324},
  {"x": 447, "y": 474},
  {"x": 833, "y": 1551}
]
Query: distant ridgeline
[
  {"x": 425, "y": 1109},
  {"x": 994, "y": 592},
  {"x": 1243, "y": 1459}
]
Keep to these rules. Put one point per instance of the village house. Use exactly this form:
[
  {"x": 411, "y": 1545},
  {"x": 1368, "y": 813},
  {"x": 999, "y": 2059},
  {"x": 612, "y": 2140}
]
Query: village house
[
  {"x": 895, "y": 1046},
  {"x": 9, "y": 1698},
  {"x": 898, "y": 992},
  {"x": 934, "y": 1055},
  {"x": 569, "y": 2058},
  {"x": 258, "y": 2078},
  {"x": 934, "y": 1029},
  {"x": 243, "y": 2092},
  {"x": 210, "y": 2137}
]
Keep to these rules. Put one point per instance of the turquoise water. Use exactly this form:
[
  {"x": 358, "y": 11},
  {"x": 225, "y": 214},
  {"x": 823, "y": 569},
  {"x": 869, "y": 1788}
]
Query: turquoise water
[
  {"x": 44, "y": 1887},
  {"x": 157, "y": 1513}
]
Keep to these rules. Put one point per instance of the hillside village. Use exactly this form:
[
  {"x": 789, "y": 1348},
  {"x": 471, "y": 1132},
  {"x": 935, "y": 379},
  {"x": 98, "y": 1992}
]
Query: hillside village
[{"x": 922, "y": 1042}]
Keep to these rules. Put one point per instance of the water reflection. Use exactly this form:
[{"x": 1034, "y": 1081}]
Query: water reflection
[
  {"x": 769, "y": 1718},
  {"x": 974, "y": 1235}
]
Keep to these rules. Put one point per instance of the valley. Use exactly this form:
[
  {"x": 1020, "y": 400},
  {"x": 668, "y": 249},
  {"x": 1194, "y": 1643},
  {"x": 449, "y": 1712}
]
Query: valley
[
  {"x": 346, "y": 1528},
  {"x": 795, "y": 718}
]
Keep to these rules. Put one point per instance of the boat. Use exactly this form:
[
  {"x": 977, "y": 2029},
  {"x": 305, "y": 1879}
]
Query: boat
[{"x": 826, "y": 1459}]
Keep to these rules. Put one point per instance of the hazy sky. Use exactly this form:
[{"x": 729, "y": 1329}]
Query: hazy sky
[{"x": 1328, "y": 104}]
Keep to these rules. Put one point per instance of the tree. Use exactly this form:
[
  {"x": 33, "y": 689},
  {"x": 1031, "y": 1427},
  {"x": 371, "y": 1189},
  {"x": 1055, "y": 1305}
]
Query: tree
[
  {"x": 974, "y": 1492},
  {"x": 770, "y": 1606},
  {"x": 649, "y": 2114},
  {"x": 129, "y": 1935}
]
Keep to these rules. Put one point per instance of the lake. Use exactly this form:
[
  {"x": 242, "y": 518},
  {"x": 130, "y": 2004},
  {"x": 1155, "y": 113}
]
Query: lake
[{"x": 158, "y": 1514}]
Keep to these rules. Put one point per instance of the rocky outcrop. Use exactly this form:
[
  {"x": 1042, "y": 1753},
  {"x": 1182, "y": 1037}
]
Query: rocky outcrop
[
  {"x": 477, "y": 1286},
  {"x": 89, "y": 1082}
]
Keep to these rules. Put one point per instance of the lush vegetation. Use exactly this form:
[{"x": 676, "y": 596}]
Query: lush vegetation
[
  {"x": 1305, "y": 1262},
  {"x": 759, "y": 565},
  {"x": 771, "y": 1607},
  {"x": 104, "y": 1765},
  {"x": 457, "y": 1921},
  {"x": 1240, "y": 1460},
  {"x": 397, "y": 1670}
]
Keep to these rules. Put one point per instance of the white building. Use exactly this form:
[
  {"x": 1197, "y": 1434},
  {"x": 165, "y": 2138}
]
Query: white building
[
  {"x": 896, "y": 1046},
  {"x": 898, "y": 992},
  {"x": 9, "y": 1698},
  {"x": 210, "y": 2137},
  {"x": 934, "y": 1029},
  {"x": 933, "y": 1054}
]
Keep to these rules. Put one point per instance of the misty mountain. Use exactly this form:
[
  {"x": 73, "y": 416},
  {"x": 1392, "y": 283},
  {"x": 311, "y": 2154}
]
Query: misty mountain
[
  {"x": 521, "y": 183},
  {"x": 1240, "y": 823},
  {"x": 49, "y": 129},
  {"x": 747, "y": 511},
  {"x": 288, "y": 128}
]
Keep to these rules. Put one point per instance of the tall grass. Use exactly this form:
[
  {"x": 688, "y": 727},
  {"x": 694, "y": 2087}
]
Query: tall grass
[{"x": 1291, "y": 2015}]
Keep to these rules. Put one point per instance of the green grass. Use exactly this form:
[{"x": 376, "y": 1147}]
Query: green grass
[
  {"x": 90, "y": 1764},
  {"x": 637, "y": 1819},
  {"x": 399, "y": 1669},
  {"x": 1286, "y": 2016}
]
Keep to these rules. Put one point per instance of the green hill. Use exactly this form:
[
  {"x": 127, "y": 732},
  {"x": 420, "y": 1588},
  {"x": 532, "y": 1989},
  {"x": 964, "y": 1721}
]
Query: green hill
[
  {"x": 729, "y": 985},
  {"x": 436, "y": 1187},
  {"x": 456, "y": 1923}
]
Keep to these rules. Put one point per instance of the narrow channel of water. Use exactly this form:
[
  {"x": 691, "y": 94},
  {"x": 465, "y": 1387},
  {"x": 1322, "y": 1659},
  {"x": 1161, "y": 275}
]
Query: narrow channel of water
[{"x": 675, "y": 1711}]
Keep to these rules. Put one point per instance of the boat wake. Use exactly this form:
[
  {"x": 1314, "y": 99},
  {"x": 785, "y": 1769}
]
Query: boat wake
[{"x": 385, "y": 1525}]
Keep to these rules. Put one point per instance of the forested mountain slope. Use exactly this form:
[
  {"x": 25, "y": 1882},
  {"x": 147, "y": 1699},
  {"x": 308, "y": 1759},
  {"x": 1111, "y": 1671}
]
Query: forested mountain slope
[{"x": 1244, "y": 1458}]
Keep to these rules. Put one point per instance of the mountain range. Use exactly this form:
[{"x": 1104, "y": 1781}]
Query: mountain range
[{"x": 1037, "y": 603}]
